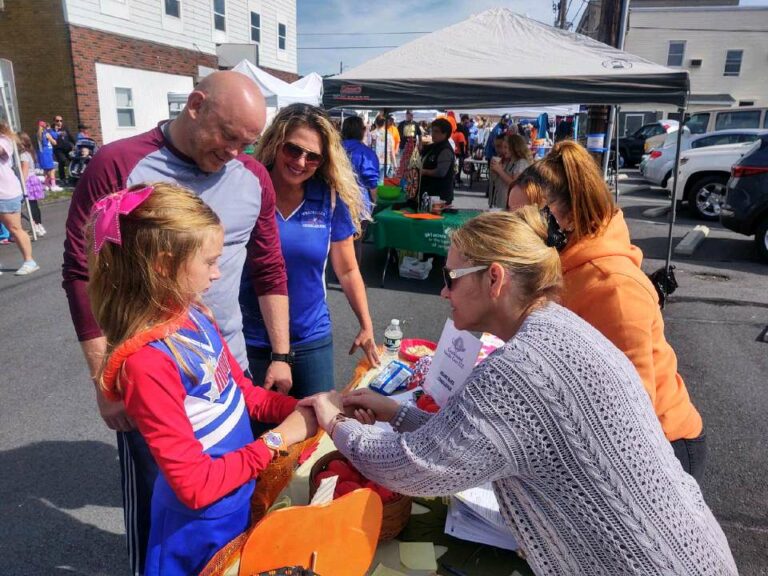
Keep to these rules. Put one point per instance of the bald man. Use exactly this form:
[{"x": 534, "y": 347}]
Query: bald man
[{"x": 201, "y": 150}]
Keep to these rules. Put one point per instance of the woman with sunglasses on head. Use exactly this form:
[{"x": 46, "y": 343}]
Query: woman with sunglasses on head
[
  {"x": 605, "y": 285},
  {"x": 319, "y": 210},
  {"x": 556, "y": 419}
]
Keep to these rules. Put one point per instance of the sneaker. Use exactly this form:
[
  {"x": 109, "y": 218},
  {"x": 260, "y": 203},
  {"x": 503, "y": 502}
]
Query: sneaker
[
  {"x": 39, "y": 230},
  {"x": 27, "y": 268},
  {"x": 5, "y": 241},
  {"x": 56, "y": 188}
]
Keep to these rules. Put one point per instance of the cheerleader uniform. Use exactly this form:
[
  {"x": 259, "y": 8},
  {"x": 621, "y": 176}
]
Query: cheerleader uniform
[{"x": 198, "y": 430}]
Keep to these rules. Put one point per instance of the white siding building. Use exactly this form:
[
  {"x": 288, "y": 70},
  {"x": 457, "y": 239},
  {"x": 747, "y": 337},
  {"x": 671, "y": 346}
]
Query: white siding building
[{"x": 724, "y": 49}]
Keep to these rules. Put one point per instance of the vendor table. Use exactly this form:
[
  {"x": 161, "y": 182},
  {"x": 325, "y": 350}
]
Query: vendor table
[
  {"x": 460, "y": 557},
  {"x": 481, "y": 169},
  {"x": 394, "y": 231},
  {"x": 382, "y": 203}
]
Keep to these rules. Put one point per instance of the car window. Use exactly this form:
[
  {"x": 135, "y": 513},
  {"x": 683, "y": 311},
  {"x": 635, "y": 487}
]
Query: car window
[
  {"x": 698, "y": 123},
  {"x": 743, "y": 119},
  {"x": 765, "y": 122},
  {"x": 714, "y": 140},
  {"x": 746, "y": 137}
]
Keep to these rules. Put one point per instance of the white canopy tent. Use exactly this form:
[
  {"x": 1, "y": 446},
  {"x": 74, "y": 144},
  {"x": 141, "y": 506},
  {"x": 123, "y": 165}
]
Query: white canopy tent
[
  {"x": 498, "y": 58},
  {"x": 279, "y": 93}
]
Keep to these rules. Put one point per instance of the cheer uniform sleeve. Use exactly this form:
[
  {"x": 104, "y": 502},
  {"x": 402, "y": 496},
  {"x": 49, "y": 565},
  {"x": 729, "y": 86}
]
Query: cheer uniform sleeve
[
  {"x": 263, "y": 405},
  {"x": 154, "y": 399}
]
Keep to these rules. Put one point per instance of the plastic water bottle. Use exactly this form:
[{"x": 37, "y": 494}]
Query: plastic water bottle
[{"x": 393, "y": 335}]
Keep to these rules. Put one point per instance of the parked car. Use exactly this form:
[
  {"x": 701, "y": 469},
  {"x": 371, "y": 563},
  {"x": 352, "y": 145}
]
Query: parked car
[
  {"x": 632, "y": 147},
  {"x": 746, "y": 202},
  {"x": 657, "y": 168},
  {"x": 727, "y": 118},
  {"x": 703, "y": 176}
]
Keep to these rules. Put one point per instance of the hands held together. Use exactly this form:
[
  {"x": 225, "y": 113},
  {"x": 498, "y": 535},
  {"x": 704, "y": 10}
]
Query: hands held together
[{"x": 364, "y": 405}]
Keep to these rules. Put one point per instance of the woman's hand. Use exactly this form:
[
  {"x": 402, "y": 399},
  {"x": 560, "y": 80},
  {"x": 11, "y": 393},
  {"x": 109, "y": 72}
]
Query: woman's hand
[
  {"x": 496, "y": 165},
  {"x": 327, "y": 405},
  {"x": 366, "y": 400},
  {"x": 365, "y": 341}
]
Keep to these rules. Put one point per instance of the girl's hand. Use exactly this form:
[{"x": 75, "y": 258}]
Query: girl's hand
[
  {"x": 365, "y": 341},
  {"x": 366, "y": 400},
  {"x": 298, "y": 426},
  {"x": 327, "y": 405}
]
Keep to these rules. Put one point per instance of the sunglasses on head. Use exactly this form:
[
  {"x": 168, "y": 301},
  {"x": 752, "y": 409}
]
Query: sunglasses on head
[
  {"x": 450, "y": 275},
  {"x": 295, "y": 152}
]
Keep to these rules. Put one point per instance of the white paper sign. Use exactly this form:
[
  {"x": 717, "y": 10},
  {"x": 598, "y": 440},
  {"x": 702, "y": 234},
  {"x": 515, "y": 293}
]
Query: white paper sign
[{"x": 453, "y": 362}]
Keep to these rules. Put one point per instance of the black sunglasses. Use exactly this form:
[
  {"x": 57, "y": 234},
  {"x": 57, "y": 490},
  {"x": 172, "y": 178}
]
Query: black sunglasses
[{"x": 295, "y": 152}]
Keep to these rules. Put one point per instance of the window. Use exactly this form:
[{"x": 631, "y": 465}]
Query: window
[
  {"x": 745, "y": 119},
  {"x": 746, "y": 102},
  {"x": 255, "y": 27},
  {"x": 676, "y": 53},
  {"x": 173, "y": 8},
  {"x": 124, "y": 103},
  {"x": 698, "y": 123},
  {"x": 219, "y": 15},
  {"x": 716, "y": 140},
  {"x": 733, "y": 62},
  {"x": 281, "y": 33}
]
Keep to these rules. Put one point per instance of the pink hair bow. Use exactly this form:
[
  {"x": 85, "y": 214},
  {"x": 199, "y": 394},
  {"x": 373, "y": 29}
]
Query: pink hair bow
[{"x": 106, "y": 214}]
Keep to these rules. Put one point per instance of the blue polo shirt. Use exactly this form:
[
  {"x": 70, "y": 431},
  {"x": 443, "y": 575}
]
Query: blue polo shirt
[
  {"x": 305, "y": 240},
  {"x": 366, "y": 167}
]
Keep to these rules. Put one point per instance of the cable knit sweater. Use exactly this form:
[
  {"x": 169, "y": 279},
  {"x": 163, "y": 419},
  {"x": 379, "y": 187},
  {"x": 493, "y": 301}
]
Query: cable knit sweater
[{"x": 559, "y": 422}]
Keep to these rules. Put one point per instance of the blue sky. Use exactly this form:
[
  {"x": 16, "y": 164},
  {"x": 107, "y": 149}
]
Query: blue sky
[{"x": 333, "y": 18}]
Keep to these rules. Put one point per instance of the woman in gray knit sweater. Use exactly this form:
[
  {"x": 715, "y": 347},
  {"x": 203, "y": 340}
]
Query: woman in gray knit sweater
[{"x": 557, "y": 419}]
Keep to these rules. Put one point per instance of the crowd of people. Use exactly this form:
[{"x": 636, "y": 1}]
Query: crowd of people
[{"x": 195, "y": 275}]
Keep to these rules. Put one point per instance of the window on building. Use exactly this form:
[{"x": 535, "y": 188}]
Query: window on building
[
  {"x": 746, "y": 102},
  {"x": 733, "y": 62},
  {"x": 219, "y": 15},
  {"x": 173, "y": 8},
  {"x": 255, "y": 27},
  {"x": 124, "y": 103},
  {"x": 676, "y": 53},
  {"x": 281, "y": 34}
]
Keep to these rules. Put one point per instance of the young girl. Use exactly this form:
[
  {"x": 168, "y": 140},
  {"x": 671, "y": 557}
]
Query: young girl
[
  {"x": 35, "y": 189},
  {"x": 153, "y": 252},
  {"x": 45, "y": 144}
]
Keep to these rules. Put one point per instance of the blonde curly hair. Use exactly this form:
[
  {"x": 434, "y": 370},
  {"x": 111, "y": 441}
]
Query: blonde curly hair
[{"x": 336, "y": 169}]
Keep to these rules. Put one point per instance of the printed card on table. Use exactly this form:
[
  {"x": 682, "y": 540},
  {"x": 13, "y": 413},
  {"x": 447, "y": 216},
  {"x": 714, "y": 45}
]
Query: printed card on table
[{"x": 454, "y": 359}]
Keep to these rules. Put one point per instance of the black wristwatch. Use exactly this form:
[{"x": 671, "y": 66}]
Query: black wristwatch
[{"x": 287, "y": 358}]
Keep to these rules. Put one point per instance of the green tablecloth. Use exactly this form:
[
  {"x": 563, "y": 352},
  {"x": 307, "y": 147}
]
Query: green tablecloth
[
  {"x": 382, "y": 203},
  {"x": 393, "y": 230}
]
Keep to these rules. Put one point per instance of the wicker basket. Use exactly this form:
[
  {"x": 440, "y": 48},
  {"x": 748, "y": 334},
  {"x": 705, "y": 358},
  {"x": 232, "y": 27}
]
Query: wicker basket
[{"x": 396, "y": 513}]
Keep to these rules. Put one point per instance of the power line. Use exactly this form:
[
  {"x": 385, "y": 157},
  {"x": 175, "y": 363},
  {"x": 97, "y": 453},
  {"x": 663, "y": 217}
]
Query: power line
[
  {"x": 359, "y": 33},
  {"x": 343, "y": 47}
]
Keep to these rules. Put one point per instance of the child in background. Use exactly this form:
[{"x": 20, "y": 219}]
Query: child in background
[
  {"x": 35, "y": 191},
  {"x": 45, "y": 143},
  {"x": 153, "y": 252}
]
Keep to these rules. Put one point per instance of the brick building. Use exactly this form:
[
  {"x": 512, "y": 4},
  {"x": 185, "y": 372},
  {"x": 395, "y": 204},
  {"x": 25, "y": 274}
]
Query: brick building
[{"x": 120, "y": 66}]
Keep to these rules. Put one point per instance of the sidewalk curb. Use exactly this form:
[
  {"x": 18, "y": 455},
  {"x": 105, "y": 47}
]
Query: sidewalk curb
[
  {"x": 656, "y": 212},
  {"x": 687, "y": 246}
]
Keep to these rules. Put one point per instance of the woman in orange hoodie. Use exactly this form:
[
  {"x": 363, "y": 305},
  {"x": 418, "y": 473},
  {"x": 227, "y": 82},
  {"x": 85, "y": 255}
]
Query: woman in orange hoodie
[{"x": 604, "y": 284}]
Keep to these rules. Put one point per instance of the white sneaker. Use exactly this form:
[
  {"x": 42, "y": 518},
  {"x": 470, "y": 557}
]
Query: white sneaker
[
  {"x": 39, "y": 230},
  {"x": 27, "y": 268},
  {"x": 56, "y": 188}
]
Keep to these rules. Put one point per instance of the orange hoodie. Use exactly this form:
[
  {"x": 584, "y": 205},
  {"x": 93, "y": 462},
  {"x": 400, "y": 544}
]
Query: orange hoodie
[{"x": 605, "y": 285}]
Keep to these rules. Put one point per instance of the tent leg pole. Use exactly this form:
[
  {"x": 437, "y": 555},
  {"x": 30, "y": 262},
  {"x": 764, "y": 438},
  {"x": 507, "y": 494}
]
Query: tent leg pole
[
  {"x": 607, "y": 145},
  {"x": 617, "y": 158},
  {"x": 673, "y": 207},
  {"x": 386, "y": 142},
  {"x": 17, "y": 160}
]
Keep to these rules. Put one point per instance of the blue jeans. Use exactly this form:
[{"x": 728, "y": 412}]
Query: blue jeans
[
  {"x": 692, "y": 454},
  {"x": 312, "y": 368}
]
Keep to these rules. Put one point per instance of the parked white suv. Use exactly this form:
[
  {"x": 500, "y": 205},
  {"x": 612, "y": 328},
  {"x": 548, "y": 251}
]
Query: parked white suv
[{"x": 703, "y": 176}]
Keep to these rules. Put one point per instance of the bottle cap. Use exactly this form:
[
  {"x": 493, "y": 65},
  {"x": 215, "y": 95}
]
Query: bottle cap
[{"x": 395, "y": 322}]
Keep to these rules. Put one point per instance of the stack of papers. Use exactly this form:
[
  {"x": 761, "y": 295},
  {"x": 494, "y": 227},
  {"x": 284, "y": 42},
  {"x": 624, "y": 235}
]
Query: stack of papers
[{"x": 474, "y": 515}]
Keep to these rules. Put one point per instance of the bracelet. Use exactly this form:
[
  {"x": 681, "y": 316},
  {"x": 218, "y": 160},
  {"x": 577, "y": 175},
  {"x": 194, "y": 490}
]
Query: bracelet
[
  {"x": 336, "y": 419},
  {"x": 399, "y": 416}
]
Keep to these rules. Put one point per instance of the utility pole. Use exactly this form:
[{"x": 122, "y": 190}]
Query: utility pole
[
  {"x": 562, "y": 13},
  {"x": 608, "y": 33}
]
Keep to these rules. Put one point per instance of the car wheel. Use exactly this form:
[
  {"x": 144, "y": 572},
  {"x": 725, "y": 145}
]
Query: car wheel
[
  {"x": 761, "y": 239},
  {"x": 707, "y": 195}
]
